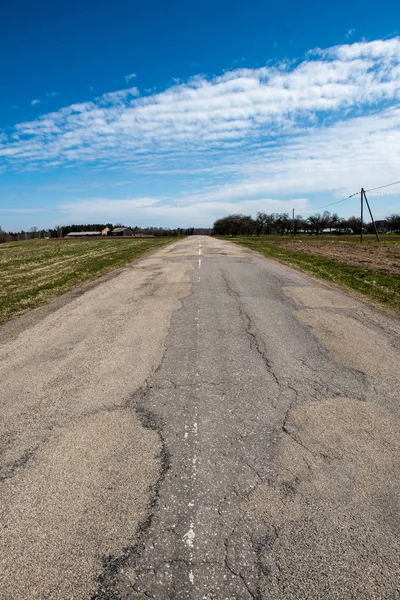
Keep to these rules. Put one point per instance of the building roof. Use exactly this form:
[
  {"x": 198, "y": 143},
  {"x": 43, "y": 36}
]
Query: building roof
[
  {"x": 82, "y": 233},
  {"x": 119, "y": 229}
]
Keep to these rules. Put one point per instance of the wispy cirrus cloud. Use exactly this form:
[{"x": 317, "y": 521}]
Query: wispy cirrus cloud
[
  {"x": 129, "y": 77},
  {"x": 151, "y": 210},
  {"x": 35, "y": 101},
  {"x": 325, "y": 123},
  {"x": 21, "y": 211}
]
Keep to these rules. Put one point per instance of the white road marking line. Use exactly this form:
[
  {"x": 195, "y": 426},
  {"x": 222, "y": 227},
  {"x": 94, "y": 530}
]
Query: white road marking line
[
  {"x": 189, "y": 536},
  {"x": 200, "y": 251}
]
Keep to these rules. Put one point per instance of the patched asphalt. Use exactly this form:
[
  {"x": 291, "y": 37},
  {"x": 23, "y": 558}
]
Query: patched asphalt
[{"x": 239, "y": 443}]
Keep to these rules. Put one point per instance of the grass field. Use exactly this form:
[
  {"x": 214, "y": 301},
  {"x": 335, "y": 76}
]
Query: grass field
[
  {"x": 370, "y": 268},
  {"x": 369, "y": 238},
  {"x": 35, "y": 271}
]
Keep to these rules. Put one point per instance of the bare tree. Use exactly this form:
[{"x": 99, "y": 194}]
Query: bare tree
[
  {"x": 317, "y": 223},
  {"x": 394, "y": 222}
]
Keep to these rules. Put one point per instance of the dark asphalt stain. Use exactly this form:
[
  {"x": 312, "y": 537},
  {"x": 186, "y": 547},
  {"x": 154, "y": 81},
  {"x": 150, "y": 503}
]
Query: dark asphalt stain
[
  {"x": 112, "y": 566},
  {"x": 10, "y": 469}
]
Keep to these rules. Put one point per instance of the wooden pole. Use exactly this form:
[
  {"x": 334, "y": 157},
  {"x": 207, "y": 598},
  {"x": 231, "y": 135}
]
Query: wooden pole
[
  {"x": 293, "y": 223},
  {"x": 362, "y": 214},
  {"x": 372, "y": 218}
]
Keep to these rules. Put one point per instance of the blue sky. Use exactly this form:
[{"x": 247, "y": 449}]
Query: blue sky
[{"x": 178, "y": 113}]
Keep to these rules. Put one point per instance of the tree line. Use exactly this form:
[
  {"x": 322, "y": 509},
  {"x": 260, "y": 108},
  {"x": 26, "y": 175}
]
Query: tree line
[
  {"x": 282, "y": 224},
  {"x": 62, "y": 231}
]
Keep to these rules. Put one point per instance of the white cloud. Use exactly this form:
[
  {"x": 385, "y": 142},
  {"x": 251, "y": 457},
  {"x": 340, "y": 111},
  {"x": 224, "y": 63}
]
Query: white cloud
[
  {"x": 129, "y": 77},
  {"x": 113, "y": 98},
  {"x": 143, "y": 211},
  {"x": 52, "y": 95},
  {"x": 21, "y": 211},
  {"x": 106, "y": 206},
  {"x": 329, "y": 123},
  {"x": 243, "y": 106},
  {"x": 35, "y": 101},
  {"x": 350, "y": 32}
]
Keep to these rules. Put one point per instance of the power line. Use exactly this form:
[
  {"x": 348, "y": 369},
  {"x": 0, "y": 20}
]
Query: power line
[
  {"x": 388, "y": 194},
  {"x": 338, "y": 201},
  {"x": 356, "y": 194},
  {"x": 332, "y": 203},
  {"x": 382, "y": 186}
]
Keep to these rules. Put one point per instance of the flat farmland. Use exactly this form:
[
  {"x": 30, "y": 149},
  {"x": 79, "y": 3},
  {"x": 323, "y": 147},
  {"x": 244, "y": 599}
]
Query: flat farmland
[
  {"x": 32, "y": 272},
  {"x": 370, "y": 268},
  {"x": 382, "y": 258}
]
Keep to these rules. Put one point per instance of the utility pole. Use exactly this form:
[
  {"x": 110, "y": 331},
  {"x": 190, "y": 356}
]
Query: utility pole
[
  {"x": 293, "y": 223},
  {"x": 372, "y": 218},
  {"x": 362, "y": 214}
]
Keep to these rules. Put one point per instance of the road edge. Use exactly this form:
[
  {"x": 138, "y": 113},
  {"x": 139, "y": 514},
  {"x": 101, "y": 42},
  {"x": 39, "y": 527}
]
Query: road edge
[
  {"x": 11, "y": 329},
  {"x": 369, "y": 302}
]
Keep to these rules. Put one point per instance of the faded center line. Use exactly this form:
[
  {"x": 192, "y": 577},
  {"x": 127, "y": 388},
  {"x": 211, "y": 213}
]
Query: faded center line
[
  {"x": 199, "y": 265},
  {"x": 190, "y": 535},
  {"x": 191, "y": 433}
]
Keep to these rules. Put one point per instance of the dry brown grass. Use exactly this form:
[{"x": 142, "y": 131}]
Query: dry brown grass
[{"x": 382, "y": 258}]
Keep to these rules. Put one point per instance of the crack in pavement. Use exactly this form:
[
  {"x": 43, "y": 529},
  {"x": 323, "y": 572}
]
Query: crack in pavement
[
  {"x": 199, "y": 541},
  {"x": 256, "y": 343},
  {"x": 146, "y": 564},
  {"x": 112, "y": 566},
  {"x": 233, "y": 467}
]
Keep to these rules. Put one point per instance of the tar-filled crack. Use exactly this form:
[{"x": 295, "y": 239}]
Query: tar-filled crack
[
  {"x": 256, "y": 343},
  {"x": 259, "y": 345},
  {"x": 112, "y": 582},
  {"x": 255, "y": 471},
  {"x": 112, "y": 565},
  {"x": 315, "y": 453},
  {"x": 175, "y": 386},
  {"x": 254, "y": 595}
]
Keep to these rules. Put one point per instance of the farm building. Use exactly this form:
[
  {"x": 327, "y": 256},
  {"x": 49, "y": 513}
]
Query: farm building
[
  {"x": 106, "y": 231},
  {"x": 77, "y": 234},
  {"x": 122, "y": 231},
  {"x": 382, "y": 226}
]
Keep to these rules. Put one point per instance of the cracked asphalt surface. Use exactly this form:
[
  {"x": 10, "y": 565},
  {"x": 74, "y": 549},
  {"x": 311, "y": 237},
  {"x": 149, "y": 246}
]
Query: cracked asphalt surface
[{"x": 208, "y": 425}]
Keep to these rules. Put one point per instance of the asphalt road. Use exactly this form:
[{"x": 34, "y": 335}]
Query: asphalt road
[{"x": 204, "y": 425}]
